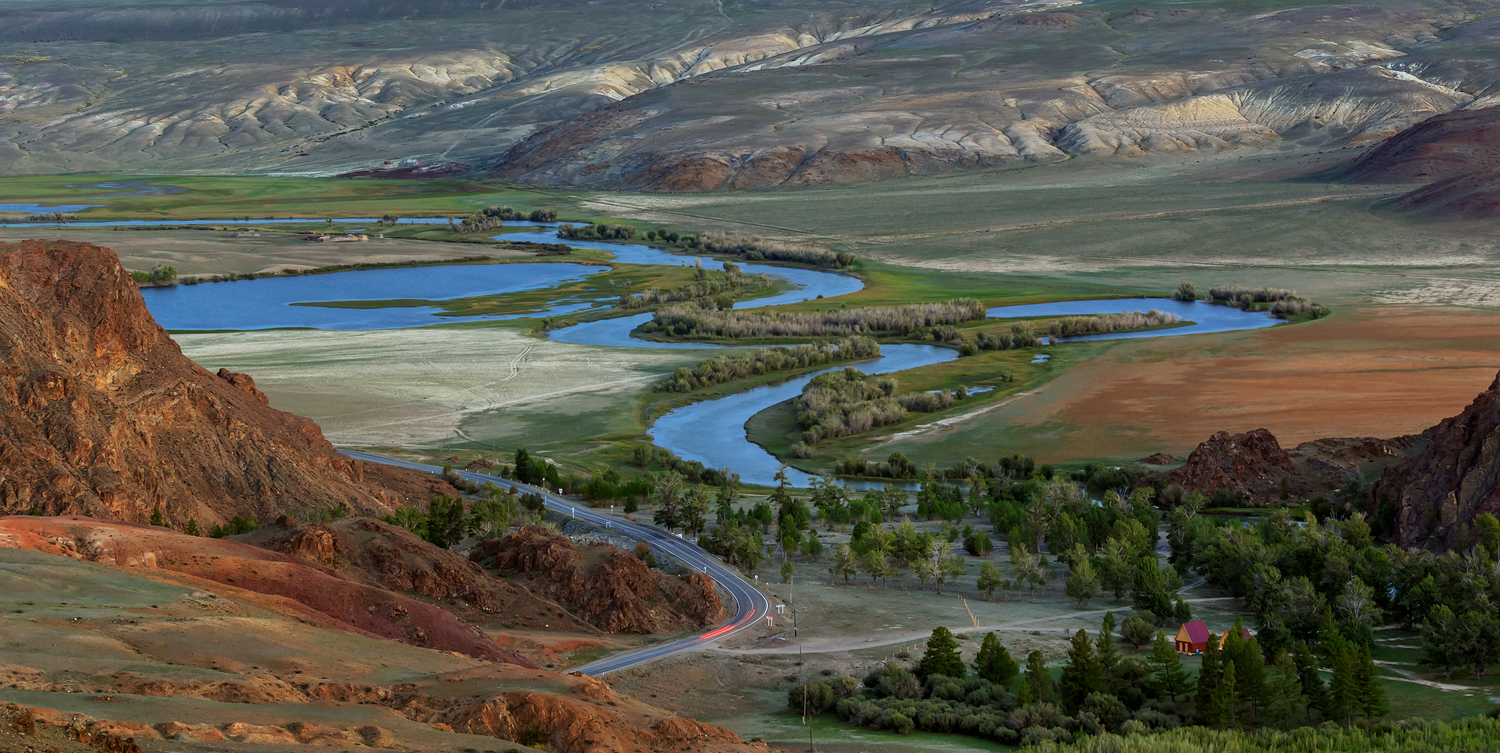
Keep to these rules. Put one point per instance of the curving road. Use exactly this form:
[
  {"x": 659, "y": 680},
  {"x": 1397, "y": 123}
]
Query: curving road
[{"x": 751, "y": 605}]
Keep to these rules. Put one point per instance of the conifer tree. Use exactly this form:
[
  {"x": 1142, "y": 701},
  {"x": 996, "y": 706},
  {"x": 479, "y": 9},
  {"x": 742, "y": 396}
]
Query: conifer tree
[
  {"x": 1370, "y": 694},
  {"x": 156, "y": 517},
  {"x": 1342, "y": 687},
  {"x": 941, "y": 657},
  {"x": 1223, "y": 703},
  {"x": 1108, "y": 652},
  {"x": 1039, "y": 686},
  {"x": 1167, "y": 674},
  {"x": 1314, "y": 692},
  {"x": 1249, "y": 668},
  {"x": 1082, "y": 675},
  {"x": 1287, "y": 708},
  {"x": 1208, "y": 677},
  {"x": 994, "y": 663}
]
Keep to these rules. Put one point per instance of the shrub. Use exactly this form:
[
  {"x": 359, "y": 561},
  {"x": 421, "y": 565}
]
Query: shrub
[{"x": 696, "y": 322}]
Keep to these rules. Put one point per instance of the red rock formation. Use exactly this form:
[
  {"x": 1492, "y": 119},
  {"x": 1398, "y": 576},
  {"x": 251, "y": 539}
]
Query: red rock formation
[
  {"x": 390, "y": 557},
  {"x": 1438, "y": 492},
  {"x": 609, "y": 588},
  {"x": 327, "y": 598},
  {"x": 1252, "y": 462},
  {"x": 102, "y": 415}
]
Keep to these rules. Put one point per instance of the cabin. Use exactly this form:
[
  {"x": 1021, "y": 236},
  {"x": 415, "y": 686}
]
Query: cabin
[
  {"x": 1244, "y": 635},
  {"x": 1193, "y": 637}
]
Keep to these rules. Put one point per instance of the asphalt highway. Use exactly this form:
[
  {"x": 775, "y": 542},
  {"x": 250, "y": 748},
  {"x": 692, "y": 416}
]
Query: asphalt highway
[{"x": 751, "y": 605}]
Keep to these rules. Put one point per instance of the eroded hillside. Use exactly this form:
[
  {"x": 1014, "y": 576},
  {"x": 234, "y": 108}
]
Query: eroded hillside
[{"x": 693, "y": 96}]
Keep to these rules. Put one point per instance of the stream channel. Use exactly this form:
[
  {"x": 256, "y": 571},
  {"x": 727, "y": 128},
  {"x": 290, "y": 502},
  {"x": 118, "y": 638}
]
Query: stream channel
[{"x": 712, "y": 431}]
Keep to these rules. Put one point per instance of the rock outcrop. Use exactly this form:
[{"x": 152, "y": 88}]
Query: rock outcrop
[
  {"x": 326, "y": 598},
  {"x": 1253, "y": 463},
  {"x": 390, "y": 557},
  {"x": 102, "y": 415},
  {"x": 609, "y": 588},
  {"x": 1438, "y": 492}
]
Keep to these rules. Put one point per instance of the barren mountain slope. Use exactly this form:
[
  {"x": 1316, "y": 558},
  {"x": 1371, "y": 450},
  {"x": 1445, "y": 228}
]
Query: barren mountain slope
[
  {"x": 689, "y": 96},
  {"x": 183, "y": 663},
  {"x": 102, "y": 415},
  {"x": 1458, "y": 151}
]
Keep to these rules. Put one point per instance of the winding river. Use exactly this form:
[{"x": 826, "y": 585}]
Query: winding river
[{"x": 711, "y": 432}]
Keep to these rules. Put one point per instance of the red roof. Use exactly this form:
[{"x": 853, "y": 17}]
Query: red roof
[{"x": 1197, "y": 631}]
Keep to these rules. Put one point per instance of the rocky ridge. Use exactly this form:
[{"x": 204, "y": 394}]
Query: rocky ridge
[
  {"x": 1438, "y": 492},
  {"x": 1255, "y": 463},
  {"x": 1457, "y": 153},
  {"x": 102, "y": 415},
  {"x": 610, "y": 588}
]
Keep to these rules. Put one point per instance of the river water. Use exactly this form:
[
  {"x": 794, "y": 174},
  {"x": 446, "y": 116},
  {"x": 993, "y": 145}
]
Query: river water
[{"x": 711, "y": 432}]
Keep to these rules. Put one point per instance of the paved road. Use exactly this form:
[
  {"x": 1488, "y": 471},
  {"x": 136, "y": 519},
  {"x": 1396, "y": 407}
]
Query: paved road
[{"x": 751, "y": 605}]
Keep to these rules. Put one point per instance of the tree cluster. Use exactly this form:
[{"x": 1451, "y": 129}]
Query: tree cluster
[
  {"x": 756, "y": 248},
  {"x": 596, "y": 231},
  {"x": 695, "y": 322},
  {"x": 739, "y": 365}
]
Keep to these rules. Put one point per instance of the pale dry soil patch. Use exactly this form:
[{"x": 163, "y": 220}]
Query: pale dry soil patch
[
  {"x": 417, "y": 387},
  {"x": 204, "y": 253}
]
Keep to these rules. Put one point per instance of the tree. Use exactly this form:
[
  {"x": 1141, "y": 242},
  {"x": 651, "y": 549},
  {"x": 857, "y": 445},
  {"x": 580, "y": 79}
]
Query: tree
[
  {"x": 1038, "y": 686},
  {"x": 446, "y": 523},
  {"x": 1025, "y": 568},
  {"x": 1341, "y": 686},
  {"x": 192, "y": 527},
  {"x": 812, "y": 548},
  {"x": 1108, "y": 653},
  {"x": 994, "y": 663},
  {"x": 1082, "y": 584},
  {"x": 1167, "y": 673},
  {"x": 1442, "y": 645},
  {"x": 1223, "y": 703},
  {"x": 1288, "y": 709},
  {"x": 491, "y": 515},
  {"x": 787, "y": 571},
  {"x": 1369, "y": 694},
  {"x": 989, "y": 579},
  {"x": 1082, "y": 675},
  {"x": 1115, "y": 571},
  {"x": 156, "y": 517},
  {"x": 1250, "y": 671},
  {"x": 1314, "y": 692},
  {"x": 693, "y": 514},
  {"x": 874, "y": 565},
  {"x": 1137, "y": 632},
  {"x": 845, "y": 562},
  {"x": 942, "y": 656},
  {"x": 1209, "y": 675}
]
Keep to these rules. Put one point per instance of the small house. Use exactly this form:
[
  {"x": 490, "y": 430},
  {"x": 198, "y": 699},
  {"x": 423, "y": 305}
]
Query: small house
[
  {"x": 1244, "y": 635},
  {"x": 1193, "y": 637}
]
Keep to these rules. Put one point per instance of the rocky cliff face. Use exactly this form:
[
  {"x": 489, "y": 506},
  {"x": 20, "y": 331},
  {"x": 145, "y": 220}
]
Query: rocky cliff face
[
  {"x": 609, "y": 588},
  {"x": 1439, "y": 491},
  {"x": 102, "y": 415}
]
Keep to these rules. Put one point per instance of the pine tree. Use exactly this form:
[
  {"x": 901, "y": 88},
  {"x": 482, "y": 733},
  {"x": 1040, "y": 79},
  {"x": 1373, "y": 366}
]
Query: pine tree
[
  {"x": 192, "y": 527},
  {"x": 1167, "y": 674},
  {"x": 1287, "y": 708},
  {"x": 1208, "y": 678},
  {"x": 941, "y": 657},
  {"x": 994, "y": 663},
  {"x": 1249, "y": 668},
  {"x": 1370, "y": 694},
  {"x": 1108, "y": 652},
  {"x": 156, "y": 517},
  {"x": 1314, "y": 692},
  {"x": 1223, "y": 703},
  {"x": 1038, "y": 686},
  {"x": 1082, "y": 675},
  {"x": 1082, "y": 583},
  {"x": 1341, "y": 689}
]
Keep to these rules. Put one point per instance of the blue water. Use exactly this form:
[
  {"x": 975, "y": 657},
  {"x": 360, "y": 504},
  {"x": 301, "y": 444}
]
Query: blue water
[
  {"x": 711, "y": 432},
  {"x": 40, "y": 209},
  {"x": 1207, "y": 317},
  {"x": 266, "y": 303}
]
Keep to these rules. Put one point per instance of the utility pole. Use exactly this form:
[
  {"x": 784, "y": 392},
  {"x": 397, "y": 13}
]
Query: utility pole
[{"x": 791, "y": 599}]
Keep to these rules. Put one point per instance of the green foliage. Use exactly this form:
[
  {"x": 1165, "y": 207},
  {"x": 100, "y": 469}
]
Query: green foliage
[
  {"x": 1082, "y": 675},
  {"x": 156, "y": 517},
  {"x": 696, "y": 323},
  {"x": 732, "y": 366},
  {"x": 1469, "y": 736},
  {"x": 994, "y": 663},
  {"x": 238, "y": 525},
  {"x": 942, "y": 656}
]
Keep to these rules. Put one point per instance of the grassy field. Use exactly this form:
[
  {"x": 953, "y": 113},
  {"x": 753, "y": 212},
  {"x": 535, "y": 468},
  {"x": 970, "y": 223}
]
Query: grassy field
[{"x": 210, "y": 197}]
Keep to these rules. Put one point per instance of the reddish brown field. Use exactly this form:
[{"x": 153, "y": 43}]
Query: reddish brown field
[{"x": 1380, "y": 372}]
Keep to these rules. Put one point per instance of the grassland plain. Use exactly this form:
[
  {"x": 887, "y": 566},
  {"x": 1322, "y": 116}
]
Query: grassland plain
[{"x": 226, "y": 197}]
